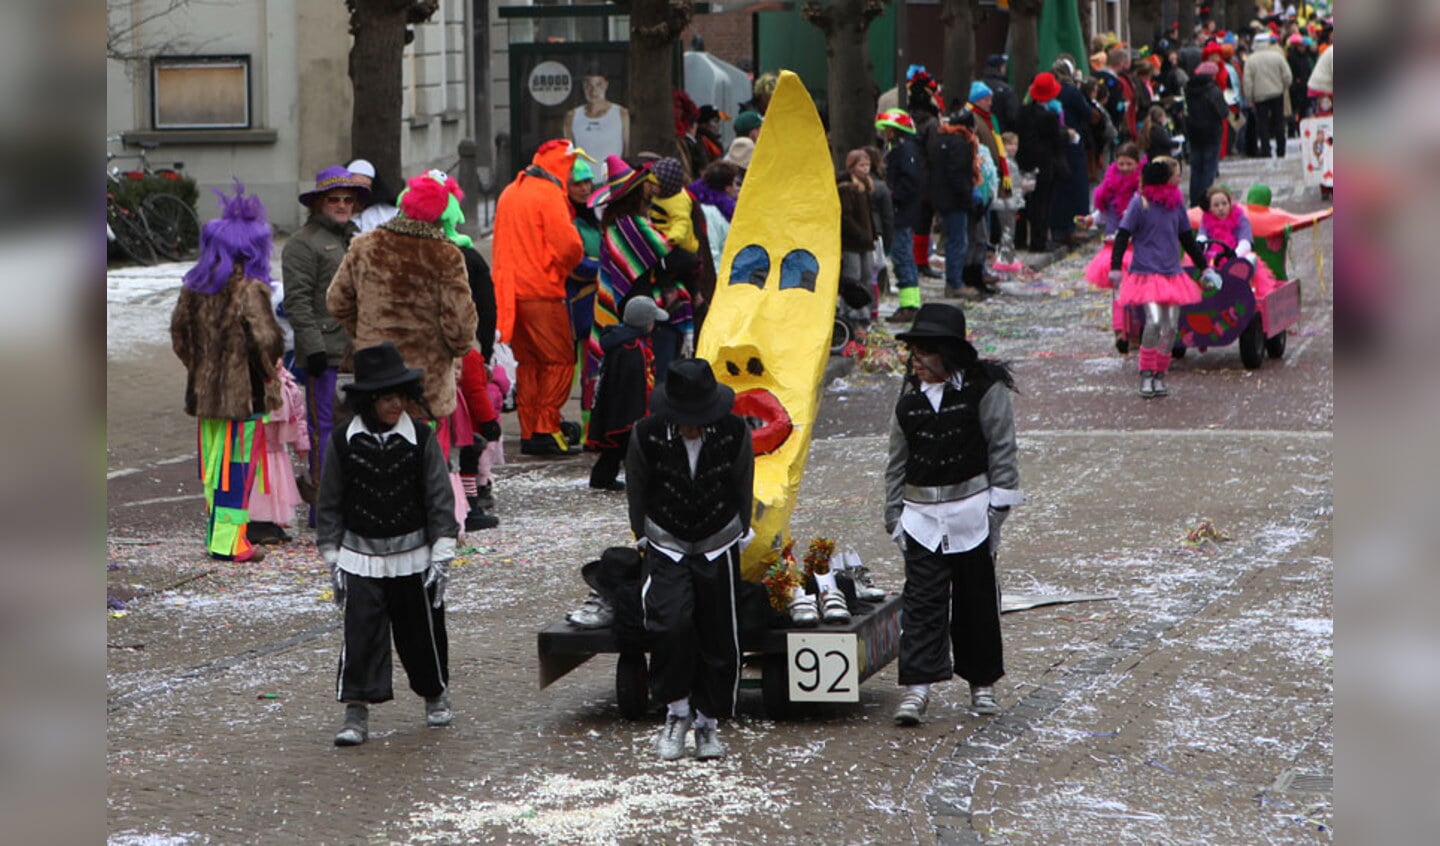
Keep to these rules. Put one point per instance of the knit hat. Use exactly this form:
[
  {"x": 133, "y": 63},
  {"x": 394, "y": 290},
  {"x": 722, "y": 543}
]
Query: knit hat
[
  {"x": 671, "y": 176},
  {"x": 1207, "y": 69},
  {"x": 1045, "y": 87},
  {"x": 747, "y": 121},
  {"x": 581, "y": 172},
  {"x": 641, "y": 311},
  {"x": 979, "y": 91},
  {"x": 1155, "y": 173}
]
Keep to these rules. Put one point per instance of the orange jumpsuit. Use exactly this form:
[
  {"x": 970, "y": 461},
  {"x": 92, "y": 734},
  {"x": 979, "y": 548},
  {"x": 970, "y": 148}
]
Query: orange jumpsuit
[{"x": 536, "y": 246}]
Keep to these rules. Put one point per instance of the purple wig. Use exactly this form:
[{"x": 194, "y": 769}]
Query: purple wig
[{"x": 241, "y": 234}]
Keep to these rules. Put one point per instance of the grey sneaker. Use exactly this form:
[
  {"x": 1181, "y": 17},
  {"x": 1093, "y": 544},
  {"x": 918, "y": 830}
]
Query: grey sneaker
[
  {"x": 982, "y": 699},
  {"x": 594, "y": 613},
  {"x": 1159, "y": 385},
  {"x": 357, "y": 726},
  {"x": 437, "y": 711},
  {"x": 1147, "y": 384},
  {"x": 707, "y": 744},
  {"x": 912, "y": 705},
  {"x": 837, "y": 611},
  {"x": 672, "y": 738},
  {"x": 804, "y": 611},
  {"x": 865, "y": 589}
]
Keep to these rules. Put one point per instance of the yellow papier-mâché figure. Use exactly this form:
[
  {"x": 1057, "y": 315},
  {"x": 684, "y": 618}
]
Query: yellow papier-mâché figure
[{"x": 767, "y": 334}]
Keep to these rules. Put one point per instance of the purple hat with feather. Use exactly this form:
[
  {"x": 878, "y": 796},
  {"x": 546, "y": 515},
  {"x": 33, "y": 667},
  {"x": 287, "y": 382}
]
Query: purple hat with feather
[{"x": 331, "y": 178}]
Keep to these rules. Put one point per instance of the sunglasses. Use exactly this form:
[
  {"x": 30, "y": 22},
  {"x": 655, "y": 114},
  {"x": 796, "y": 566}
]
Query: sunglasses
[{"x": 341, "y": 200}]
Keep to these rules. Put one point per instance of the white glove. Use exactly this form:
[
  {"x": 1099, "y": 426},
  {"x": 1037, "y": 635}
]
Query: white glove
[
  {"x": 997, "y": 519},
  {"x": 1245, "y": 250},
  {"x": 1200, "y": 238},
  {"x": 687, "y": 346},
  {"x": 1116, "y": 277},
  {"x": 1210, "y": 279},
  {"x": 436, "y": 578},
  {"x": 337, "y": 584}
]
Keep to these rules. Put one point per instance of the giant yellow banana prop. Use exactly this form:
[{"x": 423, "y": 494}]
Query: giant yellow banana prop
[{"x": 768, "y": 331}]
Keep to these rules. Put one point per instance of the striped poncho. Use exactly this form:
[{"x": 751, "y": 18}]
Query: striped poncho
[{"x": 630, "y": 251}]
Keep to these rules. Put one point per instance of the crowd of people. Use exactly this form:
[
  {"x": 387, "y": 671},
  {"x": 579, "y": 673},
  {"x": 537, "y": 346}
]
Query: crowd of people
[{"x": 388, "y": 348}]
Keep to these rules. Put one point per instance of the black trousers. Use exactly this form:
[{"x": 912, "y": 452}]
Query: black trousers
[
  {"x": 1270, "y": 125},
  {"x": 607, "y": 466},
  {"x": 1035, "y": 217},
  {"x": 376, "y": 610},
  {"x": 951, "y": 602},
  {"x": 689, "y": 608}
]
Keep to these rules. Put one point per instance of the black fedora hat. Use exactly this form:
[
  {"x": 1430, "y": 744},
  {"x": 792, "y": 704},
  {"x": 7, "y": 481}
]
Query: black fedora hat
[
  {"x": 380, "y": 367},
  {"x": 690, "y": 396},
  {"x": 936, "y": 322}
]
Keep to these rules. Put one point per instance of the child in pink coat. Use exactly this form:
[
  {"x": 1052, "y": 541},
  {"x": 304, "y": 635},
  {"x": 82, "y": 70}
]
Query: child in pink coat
[{"x": 272, "y": 510}]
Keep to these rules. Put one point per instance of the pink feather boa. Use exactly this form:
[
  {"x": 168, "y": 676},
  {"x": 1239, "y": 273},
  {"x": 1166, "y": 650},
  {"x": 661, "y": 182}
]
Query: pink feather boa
[
  {"x": 1166, "y": 195},
  {"x": 1116, "y": 189},
  {"x": 1220, "y": 230}
]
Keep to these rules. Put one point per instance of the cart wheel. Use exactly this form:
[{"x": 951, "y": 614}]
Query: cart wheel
[
  {"x": 632, "y": 685},
  {"x": 1122, "y": 345},
  {"x": 840, "y": 336},
  {"x": 1252, "y": 344},
  {"x": 775, "y": 687},
  {"x": 1275, "y": 346},
  {"x": 1177, "y": 352}
]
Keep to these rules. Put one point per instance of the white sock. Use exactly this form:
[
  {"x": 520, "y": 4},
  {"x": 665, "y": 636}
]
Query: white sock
[
  {"x": 922, "y": 689},
  {"x": 797, "y": 591},
  {"x": 679, "y": 708},
  {"x": 826, "y": 581},
  {"x": 702, "y": 721}
]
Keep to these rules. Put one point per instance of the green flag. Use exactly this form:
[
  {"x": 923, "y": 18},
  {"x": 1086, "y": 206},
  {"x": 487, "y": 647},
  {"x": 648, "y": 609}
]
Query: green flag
[{"x": 1060, "y": 33}]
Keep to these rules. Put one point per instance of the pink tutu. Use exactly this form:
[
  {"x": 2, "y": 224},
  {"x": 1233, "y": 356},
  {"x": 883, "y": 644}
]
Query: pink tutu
[
  {"x": 1097, "y": 272},
  {"x": 276, "y": 504},
  {"x": 1141, "y": 288}
]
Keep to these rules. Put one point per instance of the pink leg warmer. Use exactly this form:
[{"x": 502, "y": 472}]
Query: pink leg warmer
[{"x": 1162, "y": 361}]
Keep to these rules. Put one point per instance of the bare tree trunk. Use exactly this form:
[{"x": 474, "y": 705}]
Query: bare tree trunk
[
  {"x": 1024, "y": 43},
  {"x": 1185, "y": 17},
  {"x": 1144, "y": 22},
  {"x": 655, "y": 26},
  {"x": 958, "y": 19},
  {"x": 376, "y": 73},
  {"x": 850, "y": 89}
]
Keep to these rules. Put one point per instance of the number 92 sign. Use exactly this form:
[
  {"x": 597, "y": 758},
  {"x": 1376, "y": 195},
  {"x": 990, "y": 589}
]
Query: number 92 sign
[{"x": 822, "y": 667}]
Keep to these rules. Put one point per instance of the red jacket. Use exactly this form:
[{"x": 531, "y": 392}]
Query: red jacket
[{"x": 473, "y": 381}]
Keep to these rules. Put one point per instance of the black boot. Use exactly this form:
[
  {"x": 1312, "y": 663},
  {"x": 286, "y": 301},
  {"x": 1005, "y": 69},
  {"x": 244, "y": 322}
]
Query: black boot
[{"x": 477, "y": 519}]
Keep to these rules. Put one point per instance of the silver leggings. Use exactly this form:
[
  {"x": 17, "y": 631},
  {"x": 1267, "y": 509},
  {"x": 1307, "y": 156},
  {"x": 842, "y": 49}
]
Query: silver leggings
[{"x": 1160, "y": 323}]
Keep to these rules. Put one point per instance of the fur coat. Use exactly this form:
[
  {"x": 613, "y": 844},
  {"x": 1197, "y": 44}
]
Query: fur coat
[
  {"x": 229, "y": 343},
  {"x": 406, "y": 283}
]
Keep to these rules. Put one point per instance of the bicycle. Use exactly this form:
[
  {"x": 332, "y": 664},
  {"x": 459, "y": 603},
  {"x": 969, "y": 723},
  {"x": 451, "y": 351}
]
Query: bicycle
[{"x": 170, "y": 224}]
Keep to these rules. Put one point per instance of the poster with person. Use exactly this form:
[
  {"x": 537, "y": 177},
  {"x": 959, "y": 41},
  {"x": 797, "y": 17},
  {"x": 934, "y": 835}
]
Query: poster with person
[{"x": 574, "y": 91}]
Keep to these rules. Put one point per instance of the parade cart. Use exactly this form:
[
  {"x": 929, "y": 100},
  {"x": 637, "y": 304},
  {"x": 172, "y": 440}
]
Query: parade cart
[
  {"x": 1234, "y": 313},
  {"x": 1229, "y": 314},
  {"x": 824, "y": 663}
]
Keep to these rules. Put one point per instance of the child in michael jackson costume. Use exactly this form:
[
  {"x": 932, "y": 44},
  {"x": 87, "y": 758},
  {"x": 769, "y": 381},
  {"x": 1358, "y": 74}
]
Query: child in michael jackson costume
[
  {"x": 951, "y": 479},
  {"x": 690, "y": 473},
  {"x": 1155, "y": 221},
  {"x": 386, "y": 526},
  {"x": 224, "y": 332}
]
